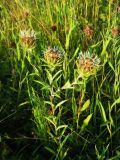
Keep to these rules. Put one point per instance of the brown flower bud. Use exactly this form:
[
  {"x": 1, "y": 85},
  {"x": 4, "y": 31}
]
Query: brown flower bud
[
  {"x": 115, "y": 31},
  {"x": 54, "y": 28},
  {"x": 88, "y": 31}
]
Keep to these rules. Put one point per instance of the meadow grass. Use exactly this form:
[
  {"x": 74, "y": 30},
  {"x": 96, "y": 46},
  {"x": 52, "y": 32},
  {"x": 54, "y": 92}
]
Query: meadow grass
[{"x": 59, "y": 80}]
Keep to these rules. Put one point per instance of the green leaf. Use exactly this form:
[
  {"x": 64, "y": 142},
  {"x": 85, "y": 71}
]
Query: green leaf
[
  {"x": 60, "y": 149},
  {"x": 24, "y": 103},
  {"x": 68, "y": 36},
  {"x": 117, "y": 101},
  {"x": 85, "y": 106},
  {"x": 48, "y": 102},
  {"x": 102, "y": 112},
  {"x": 110, "y": 64},
  {"x": 67, "y": 85},
  {"x": 86, "y": 122},
  {"x": 59, "y": 104},
  {"x": 111, "y": 121},
  {"x": 62, "y": 126},
  {"x": 51, "y": 121},
  {"x": 57, "y": 74},
  {"x": 104, "y": 116},
  {"x": 76, "y": 51},
  {"x": 50, "y": 150},
  {"x": 49, "y": 76},
  {"x": 45, "y": 85}
]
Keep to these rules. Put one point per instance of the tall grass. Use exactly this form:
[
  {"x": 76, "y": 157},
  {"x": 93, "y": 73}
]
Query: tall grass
[{"x": 52, "y": 110}]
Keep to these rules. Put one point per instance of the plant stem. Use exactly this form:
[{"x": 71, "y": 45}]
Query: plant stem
[{"x": 81, "y": 98}]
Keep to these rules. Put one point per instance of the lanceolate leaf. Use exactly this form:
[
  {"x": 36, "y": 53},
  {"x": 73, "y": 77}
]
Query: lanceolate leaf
[
  {"x": 50, "y": 150},
  {"x": 45, "y": 85},
  {"x": 85, "y": 106},
  {"x": 67, "y": 85},
  {"x": 62, "y": 126},
  {"x": 117, "y": 101},
  {"x": 86, "y": 122},
  {"x": 59, "y": 104}
]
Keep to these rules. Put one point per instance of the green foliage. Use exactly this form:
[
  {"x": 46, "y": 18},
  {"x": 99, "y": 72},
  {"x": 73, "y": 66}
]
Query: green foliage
[{"x": 55, "y": 108}]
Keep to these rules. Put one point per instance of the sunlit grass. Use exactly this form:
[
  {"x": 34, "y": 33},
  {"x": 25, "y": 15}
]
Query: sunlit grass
[{"x": 59, "y": 79}]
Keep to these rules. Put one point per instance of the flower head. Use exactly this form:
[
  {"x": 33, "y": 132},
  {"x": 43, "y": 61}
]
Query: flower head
[
  {"x": 88, "y": 31},
  {"x": 115, "y": 31},
  {"x": 52, "y": 54},
  {"x": 54, "y": 27},
  {"x": 28, "y": 38},
  {"x": 87, "y": 64}
]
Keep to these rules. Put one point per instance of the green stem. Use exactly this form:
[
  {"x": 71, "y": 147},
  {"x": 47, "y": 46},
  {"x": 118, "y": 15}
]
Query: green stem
[
  {"x": 81, "y": 98},
  {"x": 109, "y": 18}
]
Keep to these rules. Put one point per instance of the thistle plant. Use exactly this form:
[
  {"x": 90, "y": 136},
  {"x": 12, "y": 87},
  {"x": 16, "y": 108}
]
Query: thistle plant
[
  {"x": 53, "y": 55},
  {"x": 58, "y": 90},
  {"x": 87, "y": 65},
  {"x": 52, "y": 62},
  {"x": 53, "y": 58},
  {"x": 27, "y": 39}
]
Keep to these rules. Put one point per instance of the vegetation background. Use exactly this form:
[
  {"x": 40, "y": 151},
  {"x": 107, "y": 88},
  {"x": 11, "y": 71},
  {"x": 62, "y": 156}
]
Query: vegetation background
[{"x": 46, "y": 110}]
